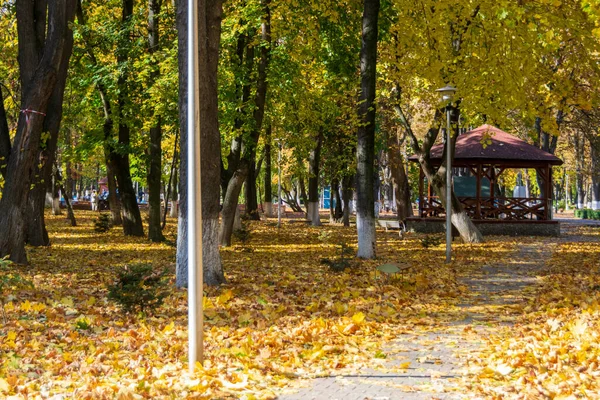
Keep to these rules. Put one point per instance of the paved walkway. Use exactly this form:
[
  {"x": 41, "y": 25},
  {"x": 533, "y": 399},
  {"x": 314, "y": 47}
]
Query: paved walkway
[{"x": 437, "y": 357}]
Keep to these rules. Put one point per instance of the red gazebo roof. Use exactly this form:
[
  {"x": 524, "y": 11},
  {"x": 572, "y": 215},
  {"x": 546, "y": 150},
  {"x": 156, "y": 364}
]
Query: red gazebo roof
[{"x": 504, "y": 147}]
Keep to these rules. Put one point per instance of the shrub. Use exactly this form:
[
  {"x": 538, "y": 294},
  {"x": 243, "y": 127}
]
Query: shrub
[
  {"x": 139, "y": 288},
  {"x": 102, "y": 223},
  {"x": 343, "y": 262},
  {"x": 586, "y": 213},
  {"x": 430, "y": 240}
]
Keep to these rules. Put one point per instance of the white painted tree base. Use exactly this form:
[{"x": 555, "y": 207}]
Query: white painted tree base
[
  {"x": 313, "y": 208},
  {"x": 56, "y": 207},
  {"x": 174, "y": 209},
  {"x": 269, "y": 209},
  {"x": 365, "y": 229}
]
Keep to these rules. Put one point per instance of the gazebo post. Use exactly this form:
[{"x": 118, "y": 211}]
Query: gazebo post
[
  {"x": 421, "y": 177},
  {"x": 478, "y": 191},
  {"x": 492, "y": 189},
  {"x": 548, "y": 192}
]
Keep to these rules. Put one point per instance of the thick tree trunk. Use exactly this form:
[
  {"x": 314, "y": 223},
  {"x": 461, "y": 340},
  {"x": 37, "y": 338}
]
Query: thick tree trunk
[
  {"x": 230, "y": 204},
  {"x": 250, "y": 193},
  {"x": 113, "y": 199},
  {"x": 55, "y": 196},
  {"x": 461, "y": 221},
  {"x": 303, "y": 195},
  {"x": 400, "y": 184},
  {"x": 209, "y": 32},
  {"x": 313, "y": 181},
  {"x": 594, "y": 142},
  {"x": 174, "y": 195},
  {"x": 40, "y": 62},
  {"x": 67, "y": 188},
  {"x": 338, "y": 213},
  {"x": 154, "y": 170},
  {"x": 154, "y": 185},
  {"x": 580, "y": 163},
  {"x": 365, "y": 151},
  {"x": 37, "y": 235},
  {"x": 268, "y": 177},
  {"x": 347, "y": 196}
]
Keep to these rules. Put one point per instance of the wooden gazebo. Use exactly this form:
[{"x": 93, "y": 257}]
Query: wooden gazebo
[{"x": 482, "y": 155}]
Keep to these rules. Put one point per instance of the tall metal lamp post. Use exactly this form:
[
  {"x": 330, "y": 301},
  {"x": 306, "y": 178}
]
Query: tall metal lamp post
[
  {"x": 194, "y": 197},
  {"x": 447, "y": 93}
]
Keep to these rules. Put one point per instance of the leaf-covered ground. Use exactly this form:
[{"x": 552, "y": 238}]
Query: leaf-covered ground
[{"x": 284, "y": 315}]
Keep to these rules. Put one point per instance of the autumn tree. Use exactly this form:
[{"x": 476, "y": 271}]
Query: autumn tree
[
  {"x": 155, "y": 154},
  {"x": 365, "y": 150},
  {"x": 44, "y": 34},
  {"x": 249, "y": 119},
  {"x": 209, "y": 35}
]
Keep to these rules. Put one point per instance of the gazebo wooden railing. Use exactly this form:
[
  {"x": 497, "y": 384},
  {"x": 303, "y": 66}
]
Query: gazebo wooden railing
[{"x": 499, "y": 208}]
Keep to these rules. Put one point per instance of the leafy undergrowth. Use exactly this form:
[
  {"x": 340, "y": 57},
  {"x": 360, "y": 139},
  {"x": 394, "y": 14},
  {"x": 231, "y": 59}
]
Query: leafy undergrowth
[
  {"x": 282, "y": 314},
  {"x": 554, "y": 350}
]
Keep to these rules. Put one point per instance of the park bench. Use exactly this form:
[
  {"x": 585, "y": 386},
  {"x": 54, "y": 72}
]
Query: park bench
[{"x": 389, "y": 223}]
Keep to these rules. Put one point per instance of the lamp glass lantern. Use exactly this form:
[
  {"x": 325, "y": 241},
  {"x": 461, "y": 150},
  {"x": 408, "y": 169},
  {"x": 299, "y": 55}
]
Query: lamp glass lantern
[{"x": 447, "y": 93}]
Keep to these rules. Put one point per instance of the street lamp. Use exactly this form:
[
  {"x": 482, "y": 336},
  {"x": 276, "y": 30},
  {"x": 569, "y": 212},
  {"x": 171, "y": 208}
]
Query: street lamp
[
  {"x": 194, "y": 197},
  {"x": 447, "y": 93}
]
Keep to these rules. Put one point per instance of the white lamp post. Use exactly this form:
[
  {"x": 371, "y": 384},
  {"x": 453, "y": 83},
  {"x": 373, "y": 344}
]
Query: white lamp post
[
  {"x": 194, "y": 198},
  {"x": 447, "y": 93}
]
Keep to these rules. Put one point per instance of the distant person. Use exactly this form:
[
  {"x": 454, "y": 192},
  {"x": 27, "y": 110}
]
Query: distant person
[{"x": 94, "y": 200}]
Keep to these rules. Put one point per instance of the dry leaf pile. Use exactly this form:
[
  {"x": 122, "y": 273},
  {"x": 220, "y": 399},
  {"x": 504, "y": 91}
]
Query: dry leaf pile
[
  {"x": 281, "y": 316},
  {"x": 554, "y": 350}
]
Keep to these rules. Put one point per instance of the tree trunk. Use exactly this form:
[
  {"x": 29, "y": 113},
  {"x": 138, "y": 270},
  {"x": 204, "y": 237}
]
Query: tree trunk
[
  {"x": 250, "y": 193},
  {"x": 580, "y": 162},
  {"x": 303, "y": 196},
  {"x": 174, "y": 195},
  {"x": 155, "y": 169},
  {"x": 209, "y": 34},
  {"x": 113, "y": 199},
  {"x": 268, "y": 176},
  {"x": 40, "y": 63},
  {"x": 399, "y": 179},
  {"x": 37, "y": 235},
  {"x": 595, "y": 167},
  {"x": 55, "y": 196},
  {"x": 313, "y": 181},
  {"x": 365, "y": 151},
  {"x": 338, "y": 214},
  {"x": 347, "y": 196},
  {"x": 230, "y": 204}
]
